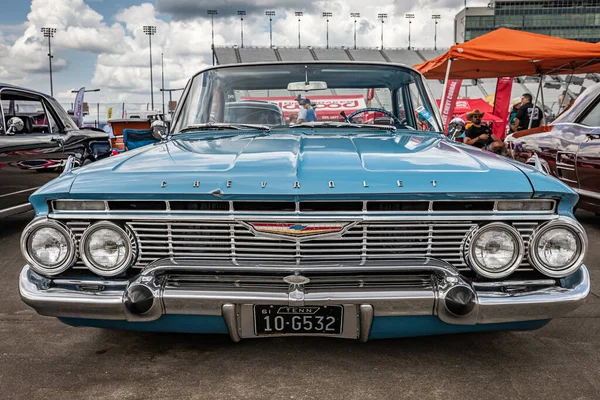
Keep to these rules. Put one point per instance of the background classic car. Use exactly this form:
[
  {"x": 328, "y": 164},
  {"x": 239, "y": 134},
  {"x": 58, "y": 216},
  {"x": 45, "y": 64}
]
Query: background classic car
[
  {"x": 334, "y": 229},
  {"x": 569, "y": 148},
  {"x": 43, "y": 144}
]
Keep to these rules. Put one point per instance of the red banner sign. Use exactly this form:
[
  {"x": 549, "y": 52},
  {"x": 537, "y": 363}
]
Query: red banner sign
[
  {"x": 501, "y": 106},
  {"x": 327, "y": 107},
  {"x": 450, "y": 101}
]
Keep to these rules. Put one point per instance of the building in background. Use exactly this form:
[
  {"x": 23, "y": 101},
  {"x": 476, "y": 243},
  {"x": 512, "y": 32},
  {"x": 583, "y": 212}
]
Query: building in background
[{"x": 569, "y": 19}]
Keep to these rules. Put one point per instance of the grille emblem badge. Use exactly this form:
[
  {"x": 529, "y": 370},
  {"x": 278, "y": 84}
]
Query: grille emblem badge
[
  {"x": 298, "y": 229},
  {"x": 296, "y": 280}
]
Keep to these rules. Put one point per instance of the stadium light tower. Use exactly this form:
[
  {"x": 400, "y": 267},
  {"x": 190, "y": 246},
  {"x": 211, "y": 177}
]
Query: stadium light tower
[
  {"x": 299, "y": 14},
  {"x": 382, "y": 17},
  {"x": 49, "y": 33},
  {"x": 354, "y": 15},
  {"x": 241, "y": 13},
  {"x": 150, "y": 31},
  {"x": 270, "y": 14},
  {"x": 409, "y": 17},
  {"x": 212, "y": 14},
  {"x": 435, "y": 17},
  {"x": 327, "y": 15}
]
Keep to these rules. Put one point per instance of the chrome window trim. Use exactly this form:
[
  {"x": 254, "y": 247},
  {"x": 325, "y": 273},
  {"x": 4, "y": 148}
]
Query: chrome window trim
[
  {"x": 129, "y": 257},
  {"x": 471, "y": 260},
  {"x": 41, "y": 223},
  {"x": 569, "y": 224}
]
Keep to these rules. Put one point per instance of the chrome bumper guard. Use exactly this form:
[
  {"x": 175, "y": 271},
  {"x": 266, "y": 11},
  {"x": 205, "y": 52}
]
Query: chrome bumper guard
[{"x": 448, "y": 295}]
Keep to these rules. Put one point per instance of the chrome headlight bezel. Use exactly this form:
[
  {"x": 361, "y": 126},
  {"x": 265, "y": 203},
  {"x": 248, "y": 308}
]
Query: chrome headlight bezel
[
  {"x": 92, "y": 265},
  {"x": 560, "y": 223},
  {"x": 25, "y": 244},
  {"x": 517, "y": 257}
]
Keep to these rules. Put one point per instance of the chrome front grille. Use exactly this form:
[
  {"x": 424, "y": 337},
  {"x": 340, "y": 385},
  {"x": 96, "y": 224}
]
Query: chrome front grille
[{"x": 364, "y": 241}]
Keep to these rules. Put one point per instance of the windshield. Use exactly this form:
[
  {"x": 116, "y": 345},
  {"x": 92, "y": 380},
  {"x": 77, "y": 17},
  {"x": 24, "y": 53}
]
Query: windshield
[{"x": 280, "y": 95}]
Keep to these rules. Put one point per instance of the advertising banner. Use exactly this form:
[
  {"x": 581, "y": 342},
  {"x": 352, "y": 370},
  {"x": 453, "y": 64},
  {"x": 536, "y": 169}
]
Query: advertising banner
[
  {"x": 110, "y": 113},
  {"x": 78, "y": 111},
  {"x": 450, "y": 101},
  {"x": 501, "y": 106},
  {"x": 327, "y": 108}
]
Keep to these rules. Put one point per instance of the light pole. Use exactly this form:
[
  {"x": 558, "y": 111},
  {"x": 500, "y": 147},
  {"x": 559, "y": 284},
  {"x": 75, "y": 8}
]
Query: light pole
[
  {"x": 49, "y": 33},
  {"x": 241, "y": 14},
  {"x": 299, "y": 14},
  {"x": 382, "y": 17},
  {"x": 270, "y": 14},
  {"x": 212, "y": 14},
  {"x": 435, "y": 17},
  {"x": 150, "y": 31},
  {"x": 354, "y": 15},
  {"x": 97, "y": 105},
  {"x": 170, "y": 93},
  {"x": 409, "y": 17},
  {"x": 327, "y": 15},
  {"x": 162, "y": 65}
]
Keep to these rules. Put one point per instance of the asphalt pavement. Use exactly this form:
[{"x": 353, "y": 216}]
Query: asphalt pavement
[{"x": 42, "y": 358}]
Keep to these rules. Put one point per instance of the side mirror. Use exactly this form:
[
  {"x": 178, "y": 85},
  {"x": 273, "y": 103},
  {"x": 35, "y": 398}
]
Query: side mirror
[
  {"x": 159, "y": 130},
  {"x": 15, "y": 124}
]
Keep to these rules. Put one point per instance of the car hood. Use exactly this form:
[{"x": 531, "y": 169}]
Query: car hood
[{"x": 329, "y": 163}]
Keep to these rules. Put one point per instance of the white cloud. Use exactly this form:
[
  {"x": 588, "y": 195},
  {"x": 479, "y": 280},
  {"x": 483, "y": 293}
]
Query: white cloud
[{"x": 121, "y": 47}]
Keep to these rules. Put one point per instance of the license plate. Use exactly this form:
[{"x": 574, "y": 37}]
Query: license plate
[{"x": 277, "y": 320}]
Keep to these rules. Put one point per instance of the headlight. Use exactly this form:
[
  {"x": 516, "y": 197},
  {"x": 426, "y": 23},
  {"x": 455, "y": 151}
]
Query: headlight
[
  {"x": 106, "y": 249},
  {"x": 558, "y": 248},
  {"x": 495, "y": 250},
  {"x": 48, "y": 246}
]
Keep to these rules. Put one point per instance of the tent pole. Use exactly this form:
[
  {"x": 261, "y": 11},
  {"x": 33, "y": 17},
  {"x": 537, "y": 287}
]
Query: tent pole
[
  {"x": 543, "y": 106},
  {"x": 445, "y": 83},
  {"x": 535, "y": 100},
  {"x": 562, "y": 102}
]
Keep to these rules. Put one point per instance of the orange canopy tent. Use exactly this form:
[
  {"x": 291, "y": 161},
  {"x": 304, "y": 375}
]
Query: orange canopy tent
[
  {"x": 509, "y": 53},
  {"x": 506, "y": 52}
]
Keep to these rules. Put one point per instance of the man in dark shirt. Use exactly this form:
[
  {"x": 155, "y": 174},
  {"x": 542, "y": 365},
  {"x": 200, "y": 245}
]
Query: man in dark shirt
[
  {"x": 480, "y": 135},
  {"x": 527, "y": 111}
]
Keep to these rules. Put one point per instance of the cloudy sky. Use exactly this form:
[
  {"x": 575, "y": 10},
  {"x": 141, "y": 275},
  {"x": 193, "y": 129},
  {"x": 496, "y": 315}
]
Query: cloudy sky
[{"x": 100, "y": 43}]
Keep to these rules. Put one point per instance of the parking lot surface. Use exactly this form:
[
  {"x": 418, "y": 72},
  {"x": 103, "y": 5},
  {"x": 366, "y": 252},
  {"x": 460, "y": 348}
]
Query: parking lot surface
[{"x": 42, "y": 358}]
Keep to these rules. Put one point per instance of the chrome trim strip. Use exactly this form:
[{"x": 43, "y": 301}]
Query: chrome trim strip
[
  {"x": 588, "y": 193},
  {"x": 20, "y": 191},
  {"x": 298, "y": 204},
  {"x": 342, "y": 217},
  {"x": 21, "y": 208}
]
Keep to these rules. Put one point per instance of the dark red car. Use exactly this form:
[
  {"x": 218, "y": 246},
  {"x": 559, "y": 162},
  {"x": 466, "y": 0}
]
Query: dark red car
[{"x": 568, "y": 148}]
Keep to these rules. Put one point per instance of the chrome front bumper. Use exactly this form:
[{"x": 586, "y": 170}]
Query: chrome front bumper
[{"x": 449, "y": 296}]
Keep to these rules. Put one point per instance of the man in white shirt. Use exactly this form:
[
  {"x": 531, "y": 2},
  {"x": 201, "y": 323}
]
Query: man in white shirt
[
  {"x": 301, "y": 99},
  {"x": 108, "y": 129}
]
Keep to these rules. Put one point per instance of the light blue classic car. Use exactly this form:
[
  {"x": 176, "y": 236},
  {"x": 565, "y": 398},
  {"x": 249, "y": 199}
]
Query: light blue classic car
[{"x": 330, "y": 228}]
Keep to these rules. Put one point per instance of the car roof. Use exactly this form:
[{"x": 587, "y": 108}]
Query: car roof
[
  {"x": 9, "y": 86},
  {"x": 312, "y": 62}
]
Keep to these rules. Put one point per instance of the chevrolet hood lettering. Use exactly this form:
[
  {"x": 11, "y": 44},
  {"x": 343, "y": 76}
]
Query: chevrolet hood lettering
[{"x": 335, "y": 163}]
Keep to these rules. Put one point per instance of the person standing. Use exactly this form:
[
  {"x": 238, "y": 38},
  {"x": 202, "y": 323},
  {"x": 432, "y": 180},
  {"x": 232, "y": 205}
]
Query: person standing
[
  {"x": 302, "y": 112},
  {"x": 527, "y": 111},
  {"x": 311, "y": 115},
  {"x": 516, "y": 103},
  {"x": 480, "y": 135}
]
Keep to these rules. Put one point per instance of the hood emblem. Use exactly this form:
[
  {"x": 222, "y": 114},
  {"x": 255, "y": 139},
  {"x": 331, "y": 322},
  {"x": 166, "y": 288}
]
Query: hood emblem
[{"x": 292, "y": 229}]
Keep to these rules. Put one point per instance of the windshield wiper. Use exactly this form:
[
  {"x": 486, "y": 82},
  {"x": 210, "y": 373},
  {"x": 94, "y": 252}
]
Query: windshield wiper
[
  {"x": 341, "y": 124},
  {"x": 224, "y": 126}
]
